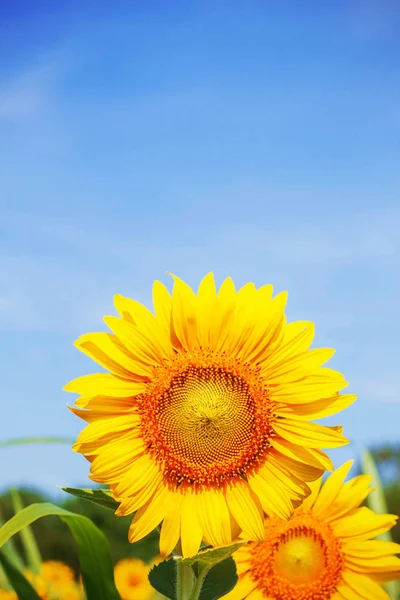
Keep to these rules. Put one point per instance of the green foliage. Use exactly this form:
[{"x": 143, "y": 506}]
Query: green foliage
[
  {"x": 21, "y": 585},
  {"x": 376, "y": 501},
  {"x": 101, "y": 497},
  {"x": 95, "y": 560},
  {"x": 220, "y": 580},
  {"x": 163, "y": 577},
  {"x": 56, "y": 542},
  {"x": 31, "y": 549},
  {"x": 35, "y": 440}
]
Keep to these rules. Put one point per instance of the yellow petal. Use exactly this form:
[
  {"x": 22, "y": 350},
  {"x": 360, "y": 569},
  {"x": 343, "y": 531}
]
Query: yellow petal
[
  {"x": 224, "y": 314},
  {"x": 143, "y": 470},
  {"x": 322, "y": 385},
  {"x": 184, "y": 314},
  {"x": 246, "y": 511},
  {"x": 314, "y": 486},
  {"x": 103, "y": 431},
  {"x": 141, "y": 495},
  {"x": 331, "y": 488},
  {"x": 206, "y": 304},
  {"x": 214, "y": 517},
  {"x": 301, "y": 470},
  {"x": 268, "y": 331},
  {"x": 171, "y": 525},
  {"x": 309, "y": 456},
  {"x": 363, "y": 524},
  {"x": 294, "y": 368},
  {"x": 108, "y": 351},
  {"x": 381, "y": 564},
  {"x": 191, "y": 530},
  {"x": 142, "y": 348},
  {"x": 297, "y": 338},
  {"x": 316, "y": 410},
  {"x": 149, "y": 516},
  {"x": 272, "y": 501},
  {"x": 242, "y": 589},
  {"x": 162, "y": 303},
  {"x": 350, "y": 496},
  {"x": 364, "y": 586},
  {"x": 370, "y": 549},
  {"x": 115, "y": 459},
  {"x": 105, "y": 384},
  {"x": 309, "y": 435}
]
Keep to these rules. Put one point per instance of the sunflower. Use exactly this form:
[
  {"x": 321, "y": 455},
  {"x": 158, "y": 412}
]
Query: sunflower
[
  {"x": 324, "y": 552},
  {"x": 203, "y": 421},
  {"x": 131, "y": 579}
]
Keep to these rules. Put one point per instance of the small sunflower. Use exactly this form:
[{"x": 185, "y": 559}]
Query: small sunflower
[
  {"x": 324, "y": 552},
  {"x": 203, "y": 422},
  {"x": 131, "y": 579}
]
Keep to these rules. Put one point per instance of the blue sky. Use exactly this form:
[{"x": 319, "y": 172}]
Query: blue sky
[{"x": 259, "y": 140}]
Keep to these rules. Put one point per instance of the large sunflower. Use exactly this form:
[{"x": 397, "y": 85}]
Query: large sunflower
[
  {"x": 324, "y": 552},
  {"x": 203, "y": 421}
]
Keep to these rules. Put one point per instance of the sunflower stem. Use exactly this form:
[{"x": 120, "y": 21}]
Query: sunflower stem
[
  {"x": 185, "y": 582},
  {"x": 195, "y": 594}
]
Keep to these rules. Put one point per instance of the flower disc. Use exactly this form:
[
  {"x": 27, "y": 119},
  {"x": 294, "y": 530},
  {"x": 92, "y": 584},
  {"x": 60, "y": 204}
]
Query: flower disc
[{"x": 203, "y": 419}]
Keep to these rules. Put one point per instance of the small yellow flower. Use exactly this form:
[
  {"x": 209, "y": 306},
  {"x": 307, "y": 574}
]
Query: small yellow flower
[
  {"x": 131, "y": 579},
  {"x": 324, "y": 552},
  {"x": 41, "y": 586},
  {"x": 4, "y": 595},
  {"x": 55, "y": 571},
  {"x": 55, "y": 582},
  {"x": 203, "y": 422}
]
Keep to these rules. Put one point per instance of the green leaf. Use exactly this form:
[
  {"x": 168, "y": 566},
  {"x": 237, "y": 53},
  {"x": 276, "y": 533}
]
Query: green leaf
[
  {"x": 211, "y": 556},
  {"x": 376, "y": 501},
  {"x": 32, "y": 553},
  {"x": 11, "y": 554},
  {"x": 102, "y": 497},
  {"x": 35, "y": 440},
  {"x": 93, "y": 549},
  {"x": 219, "y": 580},
  {"x": 21, "y": 585},
  {"x": 163, "y": 577},
  {"x": 209, "y": 575}
]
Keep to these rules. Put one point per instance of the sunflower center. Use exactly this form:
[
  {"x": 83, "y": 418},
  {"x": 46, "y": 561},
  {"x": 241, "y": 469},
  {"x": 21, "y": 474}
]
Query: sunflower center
[
  {"x": 208, "y": 422},
  {"x": 301, "y": 560}
]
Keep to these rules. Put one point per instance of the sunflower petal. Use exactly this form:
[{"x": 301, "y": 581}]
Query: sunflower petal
[
  {"x": 308, "y": 434},
  {"x": 246, "y": 511}
]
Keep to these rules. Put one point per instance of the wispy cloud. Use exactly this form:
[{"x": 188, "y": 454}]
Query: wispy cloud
[
  {"x": 27, "y": 94},
  {"x": 72, "y": 286}
]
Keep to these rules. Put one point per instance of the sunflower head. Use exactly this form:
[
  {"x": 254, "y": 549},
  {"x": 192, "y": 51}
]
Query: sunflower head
[
  {"x": 324, "y": 552},
  {"x": 203, "y": 419}
]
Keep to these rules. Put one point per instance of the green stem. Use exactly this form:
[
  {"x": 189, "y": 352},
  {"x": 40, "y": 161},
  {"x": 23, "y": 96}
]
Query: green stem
[
  {"x": 198, "y": 585},
  {"x": 185, "y": 582}
]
